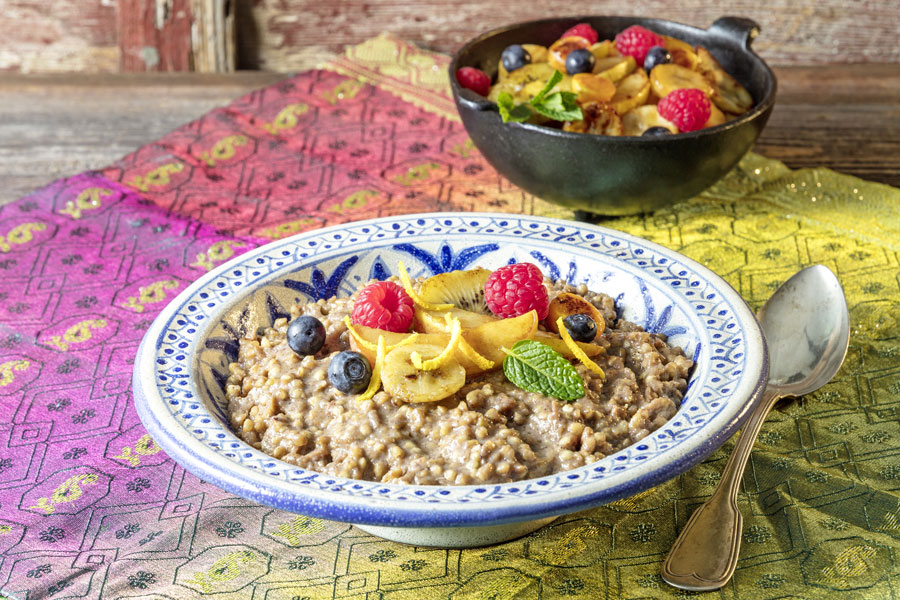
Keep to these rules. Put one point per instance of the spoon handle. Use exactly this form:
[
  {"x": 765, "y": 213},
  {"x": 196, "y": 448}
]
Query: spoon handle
[{"x": 705, "y": 554}]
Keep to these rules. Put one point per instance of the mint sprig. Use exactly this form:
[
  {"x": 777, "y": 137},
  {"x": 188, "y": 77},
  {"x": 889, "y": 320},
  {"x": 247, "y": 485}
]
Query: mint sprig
[
  {"x": 536, "y": 367},
  {"x": 559, "y": 106},
  {"x": 509, "y": 111},
  {"x": 551, "y": 83}
]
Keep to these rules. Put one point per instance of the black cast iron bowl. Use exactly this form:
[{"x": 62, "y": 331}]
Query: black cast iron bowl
[{"x": 606, "y": 174}]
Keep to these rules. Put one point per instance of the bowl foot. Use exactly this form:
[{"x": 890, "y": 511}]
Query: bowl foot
[{"x": 456, "y": 537}]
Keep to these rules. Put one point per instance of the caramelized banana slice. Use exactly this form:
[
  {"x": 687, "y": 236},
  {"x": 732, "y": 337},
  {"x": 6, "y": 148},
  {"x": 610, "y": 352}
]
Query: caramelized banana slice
[
  {"x": 728, "y": 94},
  {"x": 593, "y": 88},
  {"x": 615, "y": 68},
  {"x": 599, "y": 118},
  {"x": 716, "y": 117},
  {"x": 631, "y": 92},
  {"x": 604, "y": 49},
  {"x": 538, "y": 53},
  {"x": 682, "y": 53},
  {"x": 640, "y": 119},
  {"x": 401, "y": 379},
  {"x": 676, "y": 44},
  {"x": 670, "y": 77},
  {"x": 559, "y": 51}
]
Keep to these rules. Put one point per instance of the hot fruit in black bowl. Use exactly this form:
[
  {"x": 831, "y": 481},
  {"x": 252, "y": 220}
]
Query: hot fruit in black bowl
[{"x": 596, "y": 137}]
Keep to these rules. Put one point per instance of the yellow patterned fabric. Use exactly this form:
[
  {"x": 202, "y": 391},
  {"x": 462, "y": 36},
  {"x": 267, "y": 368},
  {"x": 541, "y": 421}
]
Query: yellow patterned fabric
[{"x": 821, "y": 496}]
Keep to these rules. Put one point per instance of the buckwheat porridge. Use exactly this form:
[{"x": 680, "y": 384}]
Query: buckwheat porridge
[{"x": 451, "y": 404}]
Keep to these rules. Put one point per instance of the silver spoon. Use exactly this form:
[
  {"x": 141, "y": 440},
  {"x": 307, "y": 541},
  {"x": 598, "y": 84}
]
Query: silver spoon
[{"x": 807, "y": 329}]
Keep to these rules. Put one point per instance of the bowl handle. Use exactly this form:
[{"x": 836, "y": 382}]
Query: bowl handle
[{"x": 737, "y": 29}]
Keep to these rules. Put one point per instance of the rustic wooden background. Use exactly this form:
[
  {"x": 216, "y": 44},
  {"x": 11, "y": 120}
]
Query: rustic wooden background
[{"x": 106, "y": 36}]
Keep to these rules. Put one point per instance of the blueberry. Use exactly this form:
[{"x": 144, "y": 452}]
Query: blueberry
[
  {"x": 515, "y": 57},
  {"x": 656, "y": 132},
  {"x": 580, "y": 61},
  {"x": 305, "y": 335},
  {"x": 581, "y": 327},
  {"x": 657, "y": 55},
  {"x": 349, "y": 372}
]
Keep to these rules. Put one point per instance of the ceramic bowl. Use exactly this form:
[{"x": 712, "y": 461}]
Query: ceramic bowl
[
  {"x": 615, "y": 175},
  {"x": 182, "y": 363}
]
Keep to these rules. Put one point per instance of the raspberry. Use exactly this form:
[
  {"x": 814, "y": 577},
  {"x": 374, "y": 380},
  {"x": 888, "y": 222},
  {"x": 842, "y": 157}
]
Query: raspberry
[
  {"x": 515, "y": 289},
  {"x": 582, "y": 30},
  {"x": 383, "y": 305},
  {"x": 636, "y": 41},
  {"x": 687, "y": 108},
  {"x": 474, "y": 79}
]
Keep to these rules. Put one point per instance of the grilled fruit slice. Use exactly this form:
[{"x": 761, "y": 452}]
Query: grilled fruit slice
[
  {"x": 670, "y": 77},
  {"x": 565, "y": 304},
  {"x": 673, "y": 44},
  {"x": 364, "y": 339},
  {"x": 560, "y": 49},
  {"x": 631, "y": 92},
  {"x": 401, "y": 379},
  {"x": 462, "y": 289},
  {"x": 716, "y": 117},
  {"x": 430, "y": 321},
  {"x": 640, "y": 119},
  {"x": 538, "y": 53},
  {"x": 604, "y": 49},
  {"x": 557, "y": 343},
  {"x": 727, "y": 93},
  {"x": 615, "y": 68},
  {"x": 593, "y": 88},
  {"x": 598, "y": 118},
  {"x": 487, "y": 339},
  {"x": 682, "y": 53}
]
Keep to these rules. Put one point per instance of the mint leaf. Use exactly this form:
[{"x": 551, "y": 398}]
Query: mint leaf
[
  {"x": 551, "y": 83},
  {"x": 509, "y": 111},
  {"x": 536, "y": 367},
  {"x": 559, "y": 106}
]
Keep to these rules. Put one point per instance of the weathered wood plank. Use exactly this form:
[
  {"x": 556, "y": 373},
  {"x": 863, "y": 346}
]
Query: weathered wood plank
[
  {"x": 290, "y": 35},
  {"x": 52, "y": 126},
  {"x": 281, "y": 35},
  {"x": 62, "y": 35},
  {"x": 844, "y": 118}
]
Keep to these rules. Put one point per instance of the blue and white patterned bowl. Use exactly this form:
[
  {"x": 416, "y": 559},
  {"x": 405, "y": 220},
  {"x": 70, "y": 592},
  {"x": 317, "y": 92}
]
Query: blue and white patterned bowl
[{"x": 182, "y": 364}]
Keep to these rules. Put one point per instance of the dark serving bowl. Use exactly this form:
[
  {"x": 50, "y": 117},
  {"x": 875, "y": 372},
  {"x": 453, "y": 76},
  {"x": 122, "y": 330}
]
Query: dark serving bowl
[{"x": 605, "y": 174}]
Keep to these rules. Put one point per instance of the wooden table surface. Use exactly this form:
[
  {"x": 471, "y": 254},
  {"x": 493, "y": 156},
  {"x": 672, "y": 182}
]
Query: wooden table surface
[{"x": 843, "y": 117}]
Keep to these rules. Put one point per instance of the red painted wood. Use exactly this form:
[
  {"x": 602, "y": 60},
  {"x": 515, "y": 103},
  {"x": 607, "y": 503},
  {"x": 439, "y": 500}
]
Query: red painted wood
[{"x": 152, "y": 42}]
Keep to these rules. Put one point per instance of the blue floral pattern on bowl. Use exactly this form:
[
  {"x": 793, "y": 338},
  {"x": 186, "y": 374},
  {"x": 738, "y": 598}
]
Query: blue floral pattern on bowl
[{"x": 182, "y": 363}]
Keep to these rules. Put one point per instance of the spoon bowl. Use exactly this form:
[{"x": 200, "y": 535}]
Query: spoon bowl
[{"x": 807, "y": 329}]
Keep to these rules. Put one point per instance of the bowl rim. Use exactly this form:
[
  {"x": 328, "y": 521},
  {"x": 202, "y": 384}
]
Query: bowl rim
[
  {"x": 173, "y": 437},
  {"x": 481, "y": 104}
]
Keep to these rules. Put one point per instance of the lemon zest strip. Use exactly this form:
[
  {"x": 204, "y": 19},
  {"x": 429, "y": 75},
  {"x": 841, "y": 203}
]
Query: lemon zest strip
[
  {"x": 375, "y": 379},
  {"x": 482, "y": 362},
  {"x": 445, "y": 356},
  {"x": 576, "y": 349},
  {"x": 372, "y": 347},
  {"x": 407, "y": 285}
]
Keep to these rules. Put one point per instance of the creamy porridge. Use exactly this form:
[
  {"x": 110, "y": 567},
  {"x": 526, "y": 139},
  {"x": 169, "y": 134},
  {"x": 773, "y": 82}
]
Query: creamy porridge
[{"x": 488, "y": 431}]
